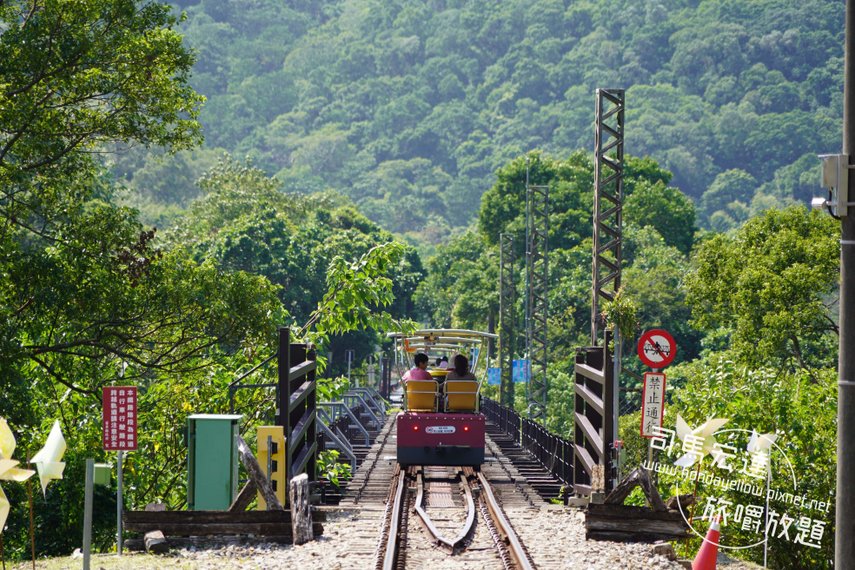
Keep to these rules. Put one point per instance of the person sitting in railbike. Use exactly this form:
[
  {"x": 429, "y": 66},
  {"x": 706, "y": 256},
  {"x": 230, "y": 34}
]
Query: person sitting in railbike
[
  {"x": 420, "y": 389},
  {"x": 419, "y": 371},
  {"x": 439, "y": 369},
  {"x": 460, "y": 371},
  {"x": 460, "y": 389}
]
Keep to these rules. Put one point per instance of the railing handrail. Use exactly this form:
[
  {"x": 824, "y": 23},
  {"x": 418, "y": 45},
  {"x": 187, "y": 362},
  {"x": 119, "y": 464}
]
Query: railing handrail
[
  {"x": 252, "y": 370},
  {"x": 533, "y": 437},
  {"x": 346, "y": 411}
]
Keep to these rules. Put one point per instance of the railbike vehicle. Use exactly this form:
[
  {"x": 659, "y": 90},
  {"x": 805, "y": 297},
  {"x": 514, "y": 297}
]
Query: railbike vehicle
[{"x": 441, "y": 422}]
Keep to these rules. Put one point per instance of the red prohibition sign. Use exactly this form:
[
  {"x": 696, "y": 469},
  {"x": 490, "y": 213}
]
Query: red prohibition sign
[{"x": 656, "y": 348}]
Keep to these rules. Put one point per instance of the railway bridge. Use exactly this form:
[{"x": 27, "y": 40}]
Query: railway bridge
[{"x": 513, "y": 514}]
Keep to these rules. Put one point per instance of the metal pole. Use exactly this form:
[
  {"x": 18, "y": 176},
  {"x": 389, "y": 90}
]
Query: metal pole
[
  {"x": 87, "y": 512},
  {"x": 616, "y": 403},
  {"x": 527, "y": 355},
  {"x": 507, "y": 317},
  {"x": 844, "y": 546},
  {"x": 119, "y": 502}
]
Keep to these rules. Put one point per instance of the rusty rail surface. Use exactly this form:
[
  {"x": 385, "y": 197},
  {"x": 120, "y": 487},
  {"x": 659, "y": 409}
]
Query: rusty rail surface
[
  {"x": 457, "y": 542},
  {"x": 397, "y": 531},
  {"x": 512, "y": 542}
]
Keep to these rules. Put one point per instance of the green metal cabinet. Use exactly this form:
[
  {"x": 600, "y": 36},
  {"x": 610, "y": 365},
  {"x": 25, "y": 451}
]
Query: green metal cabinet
[
  {"x": 103, "y": 474},
  {"x": 212, "y": 467}
]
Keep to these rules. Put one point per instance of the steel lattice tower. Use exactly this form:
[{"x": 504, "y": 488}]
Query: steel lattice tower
[
  {"x": 608, "y": 202},
  {"x": 537, "y": 296},
  {"x": 507, "y": 311}
]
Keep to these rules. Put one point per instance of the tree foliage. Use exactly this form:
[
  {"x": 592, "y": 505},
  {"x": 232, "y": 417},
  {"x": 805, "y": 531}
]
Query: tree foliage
[
  {"x": 773, "y": 285},
  {"x": 800, "y": 407},
  {"x": 90, "y": 297},
  {"x": 80, "y": 74}
]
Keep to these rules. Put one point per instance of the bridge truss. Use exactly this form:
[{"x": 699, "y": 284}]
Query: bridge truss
[{"x": 608, "y": 202}]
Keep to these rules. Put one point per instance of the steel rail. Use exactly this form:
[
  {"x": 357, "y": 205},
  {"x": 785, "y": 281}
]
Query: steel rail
[
  {"x": 451, "y": 544},
  {"x": 390, "y": 557},
  {"x": 470, "y": 509},
  {"x": 515, "y": 547}
]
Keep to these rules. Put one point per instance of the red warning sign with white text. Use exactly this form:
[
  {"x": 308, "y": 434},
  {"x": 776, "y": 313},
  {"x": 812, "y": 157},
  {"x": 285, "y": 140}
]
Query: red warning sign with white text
[{"x": 119, "y": 418}]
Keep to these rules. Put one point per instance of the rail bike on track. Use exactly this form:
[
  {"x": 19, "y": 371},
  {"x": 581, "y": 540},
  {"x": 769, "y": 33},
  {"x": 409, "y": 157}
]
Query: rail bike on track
[{"x": 441, "y": 422}]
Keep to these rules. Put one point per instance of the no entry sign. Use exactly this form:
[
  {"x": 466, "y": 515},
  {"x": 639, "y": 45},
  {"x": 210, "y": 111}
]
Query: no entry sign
[{"x": 656, "y": 348}]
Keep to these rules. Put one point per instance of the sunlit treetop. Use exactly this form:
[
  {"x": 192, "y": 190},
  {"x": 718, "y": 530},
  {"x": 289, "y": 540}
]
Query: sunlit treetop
[{"x": 78, "y": 74}]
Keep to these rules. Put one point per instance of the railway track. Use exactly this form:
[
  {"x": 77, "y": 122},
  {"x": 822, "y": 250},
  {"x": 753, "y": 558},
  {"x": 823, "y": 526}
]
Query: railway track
[{"x": 456, "y": 513}]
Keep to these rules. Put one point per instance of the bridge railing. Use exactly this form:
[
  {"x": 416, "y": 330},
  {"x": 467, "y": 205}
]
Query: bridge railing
[
  {"x": 297, "y": 402},
  {"x": 504, "y": 418},
  {"x": 554, "y": 453}
]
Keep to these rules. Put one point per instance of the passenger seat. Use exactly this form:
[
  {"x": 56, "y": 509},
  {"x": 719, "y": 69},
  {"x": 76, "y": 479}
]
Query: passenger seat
[
  {"x": 421, "y": 395},
  {"x": 461, "y": 395}
]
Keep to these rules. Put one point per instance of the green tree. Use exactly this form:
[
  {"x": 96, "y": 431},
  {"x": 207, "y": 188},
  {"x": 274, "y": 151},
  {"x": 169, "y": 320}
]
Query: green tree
[
  {"x": 328, "y": 95},
  {"x": 655, "y": 282},
  {"x": 772, "y": 284},
  {"x": 79, "y": 74},
  {"x": 460, "y": 289},
  {"x": 245, "y": 221},
  {"x": 800, "y": 407},
  {"x": 730, "y": 186},
  {"x": 665, "y": 208}
]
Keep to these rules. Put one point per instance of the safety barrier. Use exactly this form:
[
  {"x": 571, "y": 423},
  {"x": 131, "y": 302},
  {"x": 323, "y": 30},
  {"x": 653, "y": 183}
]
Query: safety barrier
[
  {"x": 333, "y": 420},
  {"x": 297, "y": 399},
  {"x": 554, "y": 453},
  {"x": 295, "y": 394},
  {"x": 345, "y": 422},
  {"x": 503, "y": 417},
  {"x": 594, "y": 419}
]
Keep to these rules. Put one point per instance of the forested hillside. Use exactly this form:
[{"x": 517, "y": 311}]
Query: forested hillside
[{"x": 409, "y": 107}]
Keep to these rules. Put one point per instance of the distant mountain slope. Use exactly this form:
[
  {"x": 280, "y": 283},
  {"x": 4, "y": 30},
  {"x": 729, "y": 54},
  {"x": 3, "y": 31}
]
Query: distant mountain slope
[{"x": 409, "y": 106}]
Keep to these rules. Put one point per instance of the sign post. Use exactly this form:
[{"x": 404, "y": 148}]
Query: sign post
[
  {"x": 656, "y": 349},
  {"x": 349, "y": 353},
  {"x": 119, "y": 422}
]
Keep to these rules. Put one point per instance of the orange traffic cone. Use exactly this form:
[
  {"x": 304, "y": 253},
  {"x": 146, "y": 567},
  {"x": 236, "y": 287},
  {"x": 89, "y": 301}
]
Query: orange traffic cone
[{"x": 706, "y": 557}]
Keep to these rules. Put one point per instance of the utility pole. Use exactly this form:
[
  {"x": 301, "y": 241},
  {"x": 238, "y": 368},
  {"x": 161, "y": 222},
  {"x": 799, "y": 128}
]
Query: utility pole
[
  {"x": 608, "y": 231},
  {"x": 507, "y": 318},
  {"x": 844, "y": 545},
  {"x": 537, "y": 295}
]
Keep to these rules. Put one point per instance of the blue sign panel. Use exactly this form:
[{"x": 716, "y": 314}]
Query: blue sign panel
[
  {"x": 494, "y": 376},
  {"x": 521, "y": 371}
]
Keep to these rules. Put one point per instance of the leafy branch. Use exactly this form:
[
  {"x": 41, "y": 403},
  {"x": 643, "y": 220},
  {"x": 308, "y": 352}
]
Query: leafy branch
[{"x": 357, "y": 292}]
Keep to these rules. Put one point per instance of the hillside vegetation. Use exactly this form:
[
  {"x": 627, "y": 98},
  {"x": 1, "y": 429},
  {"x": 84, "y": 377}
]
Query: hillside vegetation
[
  {"x": 409, "y": 107},
  {"x": 364, "y": 118}
]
